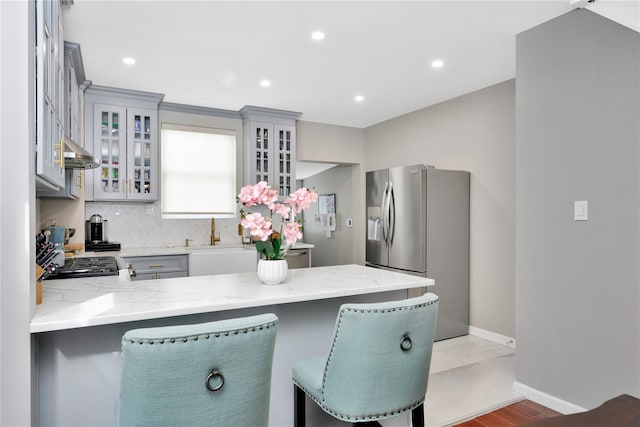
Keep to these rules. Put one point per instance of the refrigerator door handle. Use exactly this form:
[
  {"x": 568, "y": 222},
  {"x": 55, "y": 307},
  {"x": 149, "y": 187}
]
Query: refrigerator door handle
[
  {"x": 385, "y": 231},
  {"x": 392, "y": 214}
]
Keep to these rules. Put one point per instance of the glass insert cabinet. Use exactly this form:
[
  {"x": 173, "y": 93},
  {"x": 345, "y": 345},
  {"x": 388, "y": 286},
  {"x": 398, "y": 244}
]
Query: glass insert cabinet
[
  {"x": 126, "y": 152},
  {"x": 270, "y": 137},
  {"x": 50, "y": 94},
  {"x": 126, "y": 145}
]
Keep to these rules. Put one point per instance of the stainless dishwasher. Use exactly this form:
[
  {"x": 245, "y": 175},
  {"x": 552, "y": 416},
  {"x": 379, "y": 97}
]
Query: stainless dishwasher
[{"x": 299, "y": 258}]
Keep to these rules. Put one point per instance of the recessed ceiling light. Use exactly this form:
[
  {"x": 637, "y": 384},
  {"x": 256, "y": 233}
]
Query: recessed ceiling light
[
  {"x": 128, "y": 60},
  {"x": 317, "y": 35},
  {"x": 265, "y": 83},
  {"x": 359, "y": 98},
  {"x": 438, "y": 63}
]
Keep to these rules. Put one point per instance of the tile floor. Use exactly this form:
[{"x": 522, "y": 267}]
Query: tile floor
[{"x": 469, "y": 376}]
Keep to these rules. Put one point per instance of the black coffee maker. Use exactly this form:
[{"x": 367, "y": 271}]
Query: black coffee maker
[{"x": 96, "y": 235}]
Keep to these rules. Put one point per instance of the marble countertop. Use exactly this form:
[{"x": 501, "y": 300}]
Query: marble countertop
[{"x": 77, "y": 303}]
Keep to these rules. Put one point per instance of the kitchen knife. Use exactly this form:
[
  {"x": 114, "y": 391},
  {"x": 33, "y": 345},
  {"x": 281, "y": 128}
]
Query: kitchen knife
[
  {"x": 43, "y": 254},
  {"x": 42, "y": 250},
  {"x": 48, "y": 259}
]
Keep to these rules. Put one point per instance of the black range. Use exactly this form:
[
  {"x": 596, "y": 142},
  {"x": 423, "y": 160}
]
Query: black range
[{"x": 87, "y": 267}]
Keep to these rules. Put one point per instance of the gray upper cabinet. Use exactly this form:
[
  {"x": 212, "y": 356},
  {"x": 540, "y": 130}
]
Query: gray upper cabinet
[
  {"x": 122, "y": 128},
  {"x": 270, "y": 147},
  {"x": 75, "y": 83},
  {"x": 73, "y": 96},
  {"x": 50, "y": 95}
]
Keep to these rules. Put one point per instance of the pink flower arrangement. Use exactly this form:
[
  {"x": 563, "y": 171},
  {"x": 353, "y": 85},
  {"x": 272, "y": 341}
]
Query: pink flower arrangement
[{"x": 270, "y": 243}]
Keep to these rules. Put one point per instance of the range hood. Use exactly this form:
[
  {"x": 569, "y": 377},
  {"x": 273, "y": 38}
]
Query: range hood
[{"x": 76, "y": 157}]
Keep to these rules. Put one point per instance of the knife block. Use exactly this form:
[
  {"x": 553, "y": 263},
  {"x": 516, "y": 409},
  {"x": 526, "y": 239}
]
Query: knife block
[{"x": 39, "y": 272}]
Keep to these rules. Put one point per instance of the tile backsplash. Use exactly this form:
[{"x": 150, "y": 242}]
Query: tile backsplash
[{"x": 140, "y": 225}]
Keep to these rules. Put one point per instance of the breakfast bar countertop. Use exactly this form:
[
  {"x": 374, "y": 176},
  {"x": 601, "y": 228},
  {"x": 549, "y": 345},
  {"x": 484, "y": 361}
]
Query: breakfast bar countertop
[{"x": 77, "y": 303}]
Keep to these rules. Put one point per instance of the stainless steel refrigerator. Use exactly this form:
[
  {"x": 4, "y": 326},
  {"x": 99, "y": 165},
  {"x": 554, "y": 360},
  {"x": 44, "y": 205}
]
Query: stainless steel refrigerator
[{"x": 418, "y": 223}]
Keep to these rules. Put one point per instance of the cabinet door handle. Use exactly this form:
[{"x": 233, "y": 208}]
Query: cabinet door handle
[
  {"x": 80, "y": 183},
  {"x": 156, "y": 265},
  {"x": 296, "y": 253},
  {"x": 132, "y": 272},
  {"x": 60, "y": 147}
]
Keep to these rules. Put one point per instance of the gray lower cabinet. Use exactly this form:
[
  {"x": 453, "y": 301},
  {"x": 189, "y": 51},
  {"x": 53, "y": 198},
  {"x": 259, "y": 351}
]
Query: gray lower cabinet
[
  {"x": 299, "y": 258},
  {"x": 159, "y": 267}
]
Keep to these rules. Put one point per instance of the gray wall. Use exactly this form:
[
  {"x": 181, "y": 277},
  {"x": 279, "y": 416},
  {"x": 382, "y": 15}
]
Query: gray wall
[
  {"x": 318, "y": 142},
  {"x": 474, "y": 132},
  {"x": 339, "y": 248},
  {"x": 577, "y": 288}
]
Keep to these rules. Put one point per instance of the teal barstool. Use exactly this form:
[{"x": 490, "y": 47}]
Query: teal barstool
[
  {"x": 216, "y": 373},
  {"x": 378, "y": 364}
]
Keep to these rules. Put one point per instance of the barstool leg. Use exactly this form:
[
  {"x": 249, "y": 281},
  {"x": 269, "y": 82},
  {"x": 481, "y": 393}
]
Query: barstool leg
[
  {"x": 298, "y": 405},
  {"x": 417, "y": 416}
]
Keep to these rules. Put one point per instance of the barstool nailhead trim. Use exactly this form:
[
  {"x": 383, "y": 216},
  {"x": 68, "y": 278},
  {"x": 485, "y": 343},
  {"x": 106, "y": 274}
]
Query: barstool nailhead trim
[{"x": 195, "y": 337}]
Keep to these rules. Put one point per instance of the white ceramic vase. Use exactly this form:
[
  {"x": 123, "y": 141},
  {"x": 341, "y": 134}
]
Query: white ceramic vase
[{"x": 272, "y": 272}]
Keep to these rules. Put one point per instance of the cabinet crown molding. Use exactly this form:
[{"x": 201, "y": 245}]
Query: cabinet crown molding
[
  {"x": 253, "y": 112},
  {"x": 72, "y": 50},
  {"x": 98, "y": 90},
  {"x": 194, "y": 109}
]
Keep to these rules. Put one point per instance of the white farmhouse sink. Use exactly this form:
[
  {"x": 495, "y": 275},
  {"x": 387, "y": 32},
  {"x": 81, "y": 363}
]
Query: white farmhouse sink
[{"x": 207, "y": 260}]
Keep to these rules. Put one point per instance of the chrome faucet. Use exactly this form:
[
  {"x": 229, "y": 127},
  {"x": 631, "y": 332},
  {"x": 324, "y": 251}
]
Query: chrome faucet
[{"x": 214, "y": 239}]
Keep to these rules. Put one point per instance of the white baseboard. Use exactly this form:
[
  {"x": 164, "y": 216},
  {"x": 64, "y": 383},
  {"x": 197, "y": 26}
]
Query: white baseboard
[
  {"x": 492, "y": 336},
  {"x": 483, "y": 411},
  {"x": 547, "y": 400}
]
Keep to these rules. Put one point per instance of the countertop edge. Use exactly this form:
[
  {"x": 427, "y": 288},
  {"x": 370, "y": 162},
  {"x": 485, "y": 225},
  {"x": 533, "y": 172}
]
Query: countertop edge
[{"x": 72, "y": 315}]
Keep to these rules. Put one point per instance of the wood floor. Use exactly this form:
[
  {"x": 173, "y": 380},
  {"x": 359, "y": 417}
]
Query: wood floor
[{"x": 513, "y": 415}]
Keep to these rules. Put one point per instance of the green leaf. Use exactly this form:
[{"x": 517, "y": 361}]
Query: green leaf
[
  {"x": 276, "y": 248},
  {"x": 262, "y": 250},
  {"x": 266, "y": 249},
  {"x": 269, "y": 249}
]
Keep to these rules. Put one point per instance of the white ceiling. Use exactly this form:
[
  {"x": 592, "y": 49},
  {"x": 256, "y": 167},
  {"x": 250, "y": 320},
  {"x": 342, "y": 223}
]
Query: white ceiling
[{"x": 214, "y": 53}]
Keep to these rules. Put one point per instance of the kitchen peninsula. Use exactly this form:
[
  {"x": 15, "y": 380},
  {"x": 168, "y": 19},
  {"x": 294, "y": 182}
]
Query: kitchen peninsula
[{"x": 80, "y": 323}]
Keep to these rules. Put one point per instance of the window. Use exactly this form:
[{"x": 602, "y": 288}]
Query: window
[{"x": 198, "y": 172}]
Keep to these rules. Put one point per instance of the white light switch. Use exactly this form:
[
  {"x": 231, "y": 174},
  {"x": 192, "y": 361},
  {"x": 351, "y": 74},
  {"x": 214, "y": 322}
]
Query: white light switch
[{"x": 581, "y": 210}]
